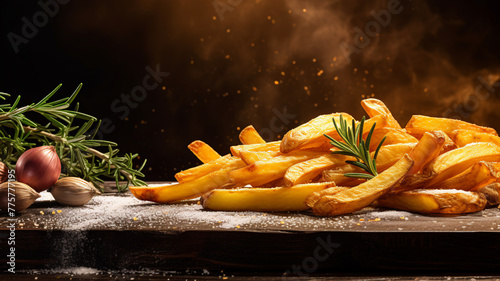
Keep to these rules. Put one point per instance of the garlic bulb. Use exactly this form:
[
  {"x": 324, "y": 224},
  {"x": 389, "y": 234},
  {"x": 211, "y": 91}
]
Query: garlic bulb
[
  {"x": 73, "y": 191},
  {"x": 4, "y": 172},
  {"x": 24, "y": 196}
]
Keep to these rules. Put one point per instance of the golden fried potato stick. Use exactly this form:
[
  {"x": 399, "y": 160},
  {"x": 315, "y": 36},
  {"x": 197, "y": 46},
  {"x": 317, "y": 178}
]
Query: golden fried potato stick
[
  {"x": 392, "y": 136},
  {"x": 491, "y": 193},
  {"x": 304, "y": 172},
  {"x": 262, "y": 172},
  {"x": 420, "y": 124},
  {"x": 250, "y": 157},
  {"x": 250, "y": 136},
  {"x": 262, "y": 199},
  {"x": 458, "y": 160},
  {"x": 314, "y": 197},
  {"x": 388, "y": 155},
  {"x": 358, "y": 197},
  {"x": 374, "y": 107},
  {"x": 268, "y": 146},
  {"x": 311, "y": 135},
  {"x": 181, "y": 191},
  {"x": 465, "y": 137},
  {"x": 203, "y": 151},
  {"x": 312, "y": 132},
  {"x": 435, "y": 201},
  {"x": 475, "y": 177},
  {"x": 427, "y": 149},
  {"x": 337, "y": 175},
  {"x": 224, "y": 162}
]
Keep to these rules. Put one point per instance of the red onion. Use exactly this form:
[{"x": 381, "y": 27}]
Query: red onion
[{"x": 39, "y": 167}]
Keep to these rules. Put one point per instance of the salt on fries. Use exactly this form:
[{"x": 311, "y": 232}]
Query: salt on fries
[{"x": 431, "y": 166}]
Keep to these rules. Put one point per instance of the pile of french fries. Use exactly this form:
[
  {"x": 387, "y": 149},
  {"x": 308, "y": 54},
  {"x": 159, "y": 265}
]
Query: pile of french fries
[{"x": 432, "y": 166}]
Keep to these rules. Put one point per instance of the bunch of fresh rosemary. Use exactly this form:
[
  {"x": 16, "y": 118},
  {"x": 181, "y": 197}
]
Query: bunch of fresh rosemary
[
  {"x": 354, "y": 145},
  {"x": 76, "y": 148}
]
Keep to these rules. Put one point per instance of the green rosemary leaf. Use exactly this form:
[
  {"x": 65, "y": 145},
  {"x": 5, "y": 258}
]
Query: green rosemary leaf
[{"x": 359, "y": 175}]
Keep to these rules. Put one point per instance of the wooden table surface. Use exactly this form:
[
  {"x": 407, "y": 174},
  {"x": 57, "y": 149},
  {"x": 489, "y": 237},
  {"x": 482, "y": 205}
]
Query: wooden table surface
[{"x": 118, "y": 233}]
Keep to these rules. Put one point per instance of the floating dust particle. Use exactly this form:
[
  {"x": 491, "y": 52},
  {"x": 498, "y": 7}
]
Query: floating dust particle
[
  {"x": 306, "y": 88},
  {"x": 238, "y": 128},
  {"x": 273, "y": 21},
  {"x": 163, "y": 88},
  {"x": 214, "y": 18},
  {"x": 289, "y": 11},
  {"x": 320, "y": 72},
  {"x": 282, "y": 73},
  {"x": 191, "y": 62},
  {"x": 355, "y": 70},
  {"x": 254, "y": 89},
  {"x": 227, "y": 56},
  {"x": 304, "y": 10},
  {"x": 315, "y": 105},
  {"x": 228, "y": 30},
  {"x": 372, "y": 95},
  {"x": 363, "y": 96},
  {"x": 252, "y": 45},
  {"x": 256, "y": 106},
  {"x": 294, "y": 62},
  {"x": 366, "y": 71},
  {"x": 372, "y": 86},
  {"x": 388, "y": 58},
  {"x": 276, "y": 82},
  {"x": 162, "y": 130},
  {"x": 364, "y": 79},
  {"x": 426, "y": 90},
  {"x": 334, "y": 58},
  {"x": 336, "y": 78},
  {"x": 314, "y": 60},
  {"x": 269, "y": 17},
  {"x": 202, "y": 39},
  {"x": 41, "y": 212}
]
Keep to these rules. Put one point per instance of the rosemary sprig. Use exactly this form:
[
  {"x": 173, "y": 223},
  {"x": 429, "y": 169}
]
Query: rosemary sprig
[
  {"x": 76, "y": 148},
  {"x": 355, "y": 146}
]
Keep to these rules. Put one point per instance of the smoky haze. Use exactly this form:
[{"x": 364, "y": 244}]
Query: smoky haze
[{"x": 235, "y": 63}]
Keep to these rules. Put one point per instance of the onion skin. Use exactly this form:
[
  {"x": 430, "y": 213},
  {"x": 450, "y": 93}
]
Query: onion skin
[{"x": 39, "y": 167}]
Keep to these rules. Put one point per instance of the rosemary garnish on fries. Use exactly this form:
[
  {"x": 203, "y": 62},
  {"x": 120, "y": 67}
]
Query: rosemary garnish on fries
[{"x": 355, "y": 146}]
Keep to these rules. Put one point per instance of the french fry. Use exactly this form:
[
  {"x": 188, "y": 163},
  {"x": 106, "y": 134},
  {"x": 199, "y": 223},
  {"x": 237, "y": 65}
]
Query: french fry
[
  {"x": 311, "y": 132},
  {"x": 435, "y": 201},
  {"x": 250, "y": 136},
  {"x": 427, "y": 149},
  {"x": 465, "y": 137},
  {"x": 358, "y": 197},
  {"x": 305, "y": 171},
  {"x": 203, "y": 151},
  {"x": 491, "y": 193},
  {"x": 337, "y": 175},
  {"x": 392, "y": 136},
  {"x": 268, "y": 146},
  {"x": 226, "y": 161},
  {"x": 312, "y": 135},
  {"x": 458, "y": 160},
  {"x": 262, "y": 199},
  {"x": 475, "y": 177},
  {"x": 262, "y": 172},
  {"x": 250, "y": 157},
  {"x": 388, "y": 155},
  {"x": 374, "y": 107},
  {"x": 420, "y": 124},
  {"x": 315, "y": 196},
  {"x": 182, "y": 191}
]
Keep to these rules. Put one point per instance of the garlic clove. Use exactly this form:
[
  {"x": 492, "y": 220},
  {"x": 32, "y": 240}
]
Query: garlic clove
[
  {"x": 73, "y": 191},
  {"x": 24, "y": 196}
]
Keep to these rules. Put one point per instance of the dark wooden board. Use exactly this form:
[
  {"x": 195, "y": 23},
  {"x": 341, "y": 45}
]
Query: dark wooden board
[{"x": 117, "y": 232}]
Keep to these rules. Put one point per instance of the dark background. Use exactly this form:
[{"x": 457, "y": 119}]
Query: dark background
[{"x": 235, "y": 63}]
